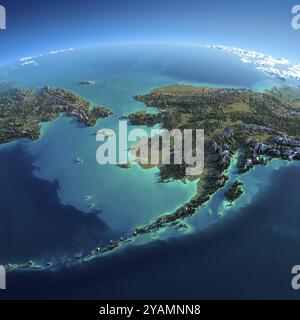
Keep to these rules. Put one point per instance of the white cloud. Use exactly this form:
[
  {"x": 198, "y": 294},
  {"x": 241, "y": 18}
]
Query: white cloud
[
  {"x": 31, "y": 61},
  {"x": 27, "y": 62},
  {"x": 25, "y": 59},
  {"x": 276, "y": 67},
  {"x": 61, "y": 51}
]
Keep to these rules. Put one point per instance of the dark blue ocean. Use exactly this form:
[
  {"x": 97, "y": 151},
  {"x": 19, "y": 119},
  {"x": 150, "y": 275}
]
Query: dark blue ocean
[
  {"x": 45, "y": 215},
  {"x": 249, "y": 255}
]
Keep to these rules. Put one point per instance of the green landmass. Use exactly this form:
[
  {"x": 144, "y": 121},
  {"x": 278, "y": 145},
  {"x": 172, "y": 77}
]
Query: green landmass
[
  {"x": 255, "y": 126},
  {"x": 234, "y": 192},
  {"x": 22, "y": 111}
]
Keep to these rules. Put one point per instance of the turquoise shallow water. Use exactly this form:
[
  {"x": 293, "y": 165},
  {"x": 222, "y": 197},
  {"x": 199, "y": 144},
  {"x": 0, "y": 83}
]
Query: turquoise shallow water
[
  {"x": 254, "y": 182},
  {"x": 122, "y": 199},
  {"x": 246, "y": 253}
]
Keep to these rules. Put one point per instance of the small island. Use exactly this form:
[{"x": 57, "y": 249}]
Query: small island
[
  {"x": 239, "y": 123},
  {"x": 234, "y": 192},
  {"x": 22, "y": 111},
  {"x": 124, "y": 166},
  {"x": 86, "y": 82}
]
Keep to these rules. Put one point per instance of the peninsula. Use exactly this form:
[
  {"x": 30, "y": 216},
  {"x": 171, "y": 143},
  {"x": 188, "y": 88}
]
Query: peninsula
[
  {"x": 254, "y": 126},
  {"x": 22, "y": 111}
]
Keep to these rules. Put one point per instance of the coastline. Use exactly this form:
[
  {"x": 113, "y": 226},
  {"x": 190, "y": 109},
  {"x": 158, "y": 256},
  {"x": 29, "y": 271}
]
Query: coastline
[
  {"x": 126, "y": 242},
  {"x": 162, "y": 233}
]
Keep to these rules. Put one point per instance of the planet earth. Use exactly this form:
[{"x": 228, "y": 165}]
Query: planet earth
[{"x": 59, "y": 207}]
